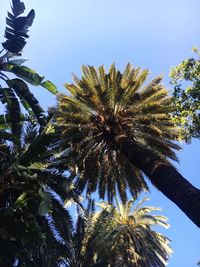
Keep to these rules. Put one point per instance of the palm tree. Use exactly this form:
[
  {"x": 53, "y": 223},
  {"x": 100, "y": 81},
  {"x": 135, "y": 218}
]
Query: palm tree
[
  {"x": 125, "y": 236},
  {"x": 109, "y": 237},
  {"x": 113, "y": 237},
  {"x": 114, "y": 130}
]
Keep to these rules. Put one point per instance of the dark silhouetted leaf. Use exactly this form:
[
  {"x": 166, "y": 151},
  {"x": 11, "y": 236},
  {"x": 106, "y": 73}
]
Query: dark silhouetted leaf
[
  {"x": 17, "y": 27},
  {"x": 8, "y": 97},
  {"x": 30, "y": 102}
]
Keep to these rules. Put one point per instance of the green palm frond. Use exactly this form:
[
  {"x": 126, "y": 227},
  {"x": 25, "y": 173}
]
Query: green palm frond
[
  {"x": 36, "y": 150},
  {"x": 103, "y": 106},
  {"x": 62, "y": 221},
  {"x": 24, "y": 73}
]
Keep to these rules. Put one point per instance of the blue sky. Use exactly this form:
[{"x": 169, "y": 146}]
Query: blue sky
[{"x": 151, "y": 34}]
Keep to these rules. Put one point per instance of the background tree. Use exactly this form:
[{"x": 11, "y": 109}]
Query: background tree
[
  {"x": 186, "y": 80},
  {"x": 125, "y": 235},
  {"x": 114, "y": 129}
]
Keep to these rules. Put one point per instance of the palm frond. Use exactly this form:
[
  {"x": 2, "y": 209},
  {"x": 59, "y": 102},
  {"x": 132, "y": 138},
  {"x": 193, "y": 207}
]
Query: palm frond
[
  {"x": 24, "y": 73},
  {"x": 28, "y": 99},
  {"x": 8, "y": 97},
  {"x": 17, "y": 27}
]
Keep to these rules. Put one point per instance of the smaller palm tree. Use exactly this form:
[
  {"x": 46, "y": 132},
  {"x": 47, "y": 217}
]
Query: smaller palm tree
[
  {"x": 112, "y": 237},
  {"x": 126, "y": 236}
]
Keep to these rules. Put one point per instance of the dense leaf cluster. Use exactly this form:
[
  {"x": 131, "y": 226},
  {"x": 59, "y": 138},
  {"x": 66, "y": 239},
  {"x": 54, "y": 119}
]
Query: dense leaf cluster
[
  {"x": 186, "y": 80},
  {"x": 47, "y": 162},
  {"x": 103, "y": 107}
]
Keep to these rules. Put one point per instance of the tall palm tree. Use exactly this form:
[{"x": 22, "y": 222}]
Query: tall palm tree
[
  {"x": 114, "y": 129},
  {"x": 125, "y": 236}
]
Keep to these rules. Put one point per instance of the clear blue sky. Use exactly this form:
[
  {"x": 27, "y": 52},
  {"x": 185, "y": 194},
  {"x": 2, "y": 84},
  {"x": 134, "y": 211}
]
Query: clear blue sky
[{"x": 152, "y": 34}]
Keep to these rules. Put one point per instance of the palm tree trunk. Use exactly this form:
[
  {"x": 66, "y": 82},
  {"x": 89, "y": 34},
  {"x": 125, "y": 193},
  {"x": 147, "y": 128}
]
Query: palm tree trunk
[{"x": 163, "y": 176}]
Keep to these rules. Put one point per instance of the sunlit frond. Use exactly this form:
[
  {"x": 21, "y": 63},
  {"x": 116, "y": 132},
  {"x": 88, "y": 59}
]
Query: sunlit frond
[{"x": 103, "y": 106}]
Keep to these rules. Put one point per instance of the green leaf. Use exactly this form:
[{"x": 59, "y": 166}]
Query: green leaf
[
  {"x": 50, "y": 87},
  {"x": 24, "y": 73}
]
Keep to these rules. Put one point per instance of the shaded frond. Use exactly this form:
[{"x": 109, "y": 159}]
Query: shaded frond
[{"x": 17, "y": 27}]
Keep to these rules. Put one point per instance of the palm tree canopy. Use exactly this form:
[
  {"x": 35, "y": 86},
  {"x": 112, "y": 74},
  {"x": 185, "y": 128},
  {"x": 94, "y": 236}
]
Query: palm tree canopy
[
  {"x": 112, "y": 236},
  {"x": 102, "y": 106},
  {"x": 126, "y": 237}
]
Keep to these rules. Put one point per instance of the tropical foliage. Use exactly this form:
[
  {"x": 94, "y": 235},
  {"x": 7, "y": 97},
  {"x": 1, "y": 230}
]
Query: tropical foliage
[
  {"x": 126, "y": 236},
  {"x": 121, "y": 236},
  {"x": 28, "y": 192},
  {"x": 26, "y": 184},
  {"x": 102, "y": 107},
  {"x": 186, "y": 80},
  {"x": 107, "y": 135},
  {"x": 114, "y": 128},
  {"x": 14, "y": 93}
]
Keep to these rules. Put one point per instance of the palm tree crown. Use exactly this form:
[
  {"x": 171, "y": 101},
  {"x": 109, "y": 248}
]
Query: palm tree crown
[
  {"x": 127, "y": 238},
  {"x": 110, "y": 237},
  {"x": 103, "y": 106}
]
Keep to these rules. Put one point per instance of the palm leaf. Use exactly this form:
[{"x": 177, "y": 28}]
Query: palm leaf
[
  {"x": 49, "y": 86},
  {"x": 24, "y": 73},
  {"x": 17, "y": 27},
  {"x": 8, "y": 97},
  {"x": 5, "y": 120},
  {"x": 28, "y": 99},
  {"x": 40, "y": 144}
]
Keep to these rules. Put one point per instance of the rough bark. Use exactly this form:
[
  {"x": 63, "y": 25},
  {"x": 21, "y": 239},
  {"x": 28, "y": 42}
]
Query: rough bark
[{"x": 164, "y": 177}]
